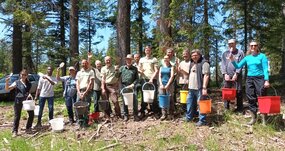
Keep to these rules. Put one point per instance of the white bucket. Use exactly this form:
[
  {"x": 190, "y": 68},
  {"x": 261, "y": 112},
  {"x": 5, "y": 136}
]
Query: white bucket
[
  {"x": 57, "y": 124},
  {"x": 148, "y": 95},
  {"x": 37, "y": 110},
  {"x": 128, "y": 97},
  {"x": 29, "y": 105}
]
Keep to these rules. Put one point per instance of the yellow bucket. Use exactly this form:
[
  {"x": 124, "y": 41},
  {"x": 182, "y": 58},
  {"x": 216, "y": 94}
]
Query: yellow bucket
[{"x": 183, "y": 96}]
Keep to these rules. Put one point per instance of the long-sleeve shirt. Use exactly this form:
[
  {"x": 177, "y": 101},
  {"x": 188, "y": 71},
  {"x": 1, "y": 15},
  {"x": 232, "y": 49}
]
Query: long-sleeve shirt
[
  {"x": 227, "y": 66},
  {"x": 257, "y": 65}
]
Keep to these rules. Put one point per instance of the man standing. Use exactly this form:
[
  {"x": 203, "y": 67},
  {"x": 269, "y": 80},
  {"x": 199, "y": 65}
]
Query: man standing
[
  {"x": 233, "y": 76},
  {"x": 110, "y": 85},
  {"x": 199, "y": 75},
  {"x": 84, "y": 83},
  {"x": 46, "y": 92},
  {"x": 148, "y": 67},
  {"x": 129, "y": 77},
  {"x": 97, "y": 84}
]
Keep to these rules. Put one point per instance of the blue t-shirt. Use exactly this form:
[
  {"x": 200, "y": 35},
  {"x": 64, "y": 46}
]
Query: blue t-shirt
[
  {"x": 165, "y": 74},
  {"x": 257, "y": 65}
]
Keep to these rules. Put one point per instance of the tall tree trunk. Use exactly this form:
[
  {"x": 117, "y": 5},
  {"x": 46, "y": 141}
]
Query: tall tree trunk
[
  {"x": 165, "y": 25},
  {"x": 217, "y": 62},
  {"x": 245, "y": 31},
  {"x": 206, "y": 31},
  {"x": 140, "y": 21},
  {"x": 74, "y": 42},
  {"x": 282, "y": 69},
  {"x": 17, "y": 47},
  {"x": 62, "y": 35},
  {"x": 123, "y": 29},
  {"x": 27, "y": 52}
]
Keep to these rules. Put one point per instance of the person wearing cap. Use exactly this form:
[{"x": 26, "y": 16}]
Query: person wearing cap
[
  {"x": 84, "y": 83},
  {"x": 257, "y": 76},
  {"x": 148, "y": 67},
  {"x": 69, "y": 92},
  {"x": 129, "y": 78},
  {"x": 110, "y": 86},
  {"x": 199, "y": 76},
  {"x": 166, "y": 74},
  {"x": 232, "y": 77}
]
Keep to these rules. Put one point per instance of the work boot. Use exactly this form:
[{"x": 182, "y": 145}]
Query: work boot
[
  {"x": 126, "y": 118},
  {"x": 163, "y": 117},
  {"x": 14, "y": 134},
  {"x": 253, "y": 118}
]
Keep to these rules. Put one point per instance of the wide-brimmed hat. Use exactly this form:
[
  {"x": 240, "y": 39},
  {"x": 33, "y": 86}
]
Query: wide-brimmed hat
[
  {"x": 129, "y": 56},
  {"x": 231, "y": 41},
  {"x": 71, "y": 68}
]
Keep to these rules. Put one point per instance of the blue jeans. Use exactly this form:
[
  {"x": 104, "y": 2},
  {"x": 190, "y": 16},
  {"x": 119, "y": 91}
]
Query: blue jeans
[
  {"x": 192, "y": 105},
  {"x": 42, "y": 102},
  {"x": 69, "y": 101},
  {"x": 96, "y": 96}
]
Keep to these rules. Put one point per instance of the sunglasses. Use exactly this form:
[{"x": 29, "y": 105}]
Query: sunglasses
[{"x": 253, "y": 45}]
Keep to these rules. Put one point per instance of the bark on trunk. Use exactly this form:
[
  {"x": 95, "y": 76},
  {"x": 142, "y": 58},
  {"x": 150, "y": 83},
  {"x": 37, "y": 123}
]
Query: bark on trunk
[
  {"x": 123, "y": 29},
  {"x": 17, "y": 47},
  {"x": 74, "y": 42},
  {"x": 165, "y": 25}
]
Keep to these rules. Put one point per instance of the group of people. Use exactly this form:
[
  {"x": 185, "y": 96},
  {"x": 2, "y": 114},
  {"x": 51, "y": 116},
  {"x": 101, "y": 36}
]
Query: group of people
[{"x": 192, "y": 73}]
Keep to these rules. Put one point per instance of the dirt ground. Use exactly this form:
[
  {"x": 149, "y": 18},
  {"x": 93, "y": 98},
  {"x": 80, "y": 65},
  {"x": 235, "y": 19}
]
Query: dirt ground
[{"x": 221, "y": 130}]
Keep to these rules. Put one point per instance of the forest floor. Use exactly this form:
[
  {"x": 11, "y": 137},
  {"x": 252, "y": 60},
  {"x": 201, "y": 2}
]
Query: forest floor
[{"x": 226, "y": 130}]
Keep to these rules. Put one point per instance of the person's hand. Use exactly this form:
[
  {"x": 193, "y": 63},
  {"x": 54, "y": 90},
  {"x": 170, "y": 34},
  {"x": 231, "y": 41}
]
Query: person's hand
[
  {"x": 204, "y": 92},
  {"x": 231, "y": 57},
  {"x": 266, "y": 84},
  {"x": 7, "y": 79},
  {"x": 58, "y": 69},
  {"x": 227, "y": 77},
  {"x": 161, "y": 86},
  {"x": 150, "y": 81},
  {"x": 234, "y": 78},
  {"x": 103, "y": 91},
  {"x": 166, "y": 87},
  {"x": 44, "y": 77},
  {"x": 130, "y": 86},
  {"x": 89, "y": 55}
]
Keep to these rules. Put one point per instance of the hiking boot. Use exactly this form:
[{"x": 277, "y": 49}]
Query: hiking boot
[
  {"x": 253, "y": 118},
  {"x": 29, "y": 131},
  {"x": 126, "y": 118},
  {"x": 142, "y": 115},
  {"x": 198, "y": 124},
  {"x": 14, "y": 134},
  {"x": 163, "y": 117},
  {"x": 38, "y": 126},
  {"x": 136, "y": 118}
]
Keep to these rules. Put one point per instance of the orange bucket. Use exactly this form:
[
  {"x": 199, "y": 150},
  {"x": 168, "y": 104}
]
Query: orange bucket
[
  {"x": 228, "y": 94},
  {"x": 205, "y": 106}
]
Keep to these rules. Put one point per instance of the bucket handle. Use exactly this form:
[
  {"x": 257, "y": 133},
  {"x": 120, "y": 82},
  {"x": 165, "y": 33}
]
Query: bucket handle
[
  {"x": 206, "y": 96},
  {"x": 122, "y": 91},
  {"x": 267, "y": 88},
  {"x": 148, "y": 83},
  {"x": 29, "y": 96},
  {"x": 235, "y": 83}
]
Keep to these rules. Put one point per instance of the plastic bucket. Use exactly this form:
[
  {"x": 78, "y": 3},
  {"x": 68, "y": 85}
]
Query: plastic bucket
[
  {"x": 128, "y": 97},
  {"x": 81, "y": 108},
  {"x": 57, "y": 124},
  {"x": 269, "y": 104},
  {"x": 37, "y": 110},
  {"x": 183, "y": 96},
  {"x": 205, "y": 106},
  {"x": 94, "y": 116},
  {"x": 103, "y": 105},
  {"x": 229, "y": 93},
  {"x": 164, "y": 101},
  {"x": 148, "y": 95},
  {"x": 29, "y": 105}
]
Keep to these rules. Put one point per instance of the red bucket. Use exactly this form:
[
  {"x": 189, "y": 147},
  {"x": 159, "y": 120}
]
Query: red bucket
[
  {"x": 94, "y": 116},
  {"x": 229, "y": 94},
  {"x": 269, "y": 104}
]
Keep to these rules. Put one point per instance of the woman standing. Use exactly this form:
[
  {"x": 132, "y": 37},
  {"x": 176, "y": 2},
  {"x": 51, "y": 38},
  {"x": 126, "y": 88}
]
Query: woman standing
[
  {"x": 69, "y": 92},
  {"x": 257, "y": 76},
  {"x": 166, "y": 74},
  {"x": 22, "y": 88}
]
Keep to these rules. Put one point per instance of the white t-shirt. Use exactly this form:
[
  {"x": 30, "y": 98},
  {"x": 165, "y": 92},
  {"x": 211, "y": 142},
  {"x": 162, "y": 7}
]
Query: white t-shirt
[
  {"x": 46, "y": 87},
  {"x": 148, "y": 65}
]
